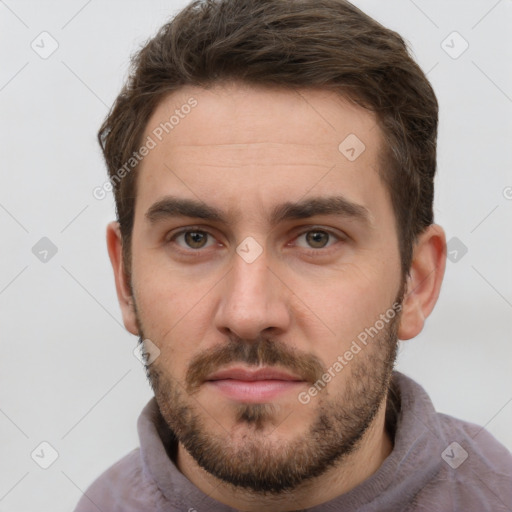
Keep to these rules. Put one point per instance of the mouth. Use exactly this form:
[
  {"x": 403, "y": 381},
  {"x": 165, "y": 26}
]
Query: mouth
[{"x": 253, "y": 386}]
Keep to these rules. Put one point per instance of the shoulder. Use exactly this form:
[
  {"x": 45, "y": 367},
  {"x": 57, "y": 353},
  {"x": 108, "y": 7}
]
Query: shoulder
[
  {"x": 475, "y": 472},
  {"x": 482, "y": 448},
  {"x": 123, "y": 487},
  {"x": 466, "y": 467}
]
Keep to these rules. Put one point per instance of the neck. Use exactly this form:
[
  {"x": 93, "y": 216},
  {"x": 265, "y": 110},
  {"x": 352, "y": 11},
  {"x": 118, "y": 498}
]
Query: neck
[{"x": 356, "y": 467}]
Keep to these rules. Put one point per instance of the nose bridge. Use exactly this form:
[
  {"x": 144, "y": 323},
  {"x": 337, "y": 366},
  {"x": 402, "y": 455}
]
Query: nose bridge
[
  {"x": 253, "y": 299},
  {"x": 250, "y": 277}
]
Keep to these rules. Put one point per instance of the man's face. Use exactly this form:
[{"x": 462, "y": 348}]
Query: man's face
[{"x": 299, "y": 263}]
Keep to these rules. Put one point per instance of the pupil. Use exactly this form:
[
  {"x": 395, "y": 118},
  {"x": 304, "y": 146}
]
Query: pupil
[
  {"x": 315, "y": 238},
  {"x": 195, "y": 238}
]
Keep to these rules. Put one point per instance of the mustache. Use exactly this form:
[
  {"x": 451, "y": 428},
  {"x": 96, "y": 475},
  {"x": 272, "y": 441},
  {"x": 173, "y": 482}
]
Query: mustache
[{"x": 262, "y": 352}]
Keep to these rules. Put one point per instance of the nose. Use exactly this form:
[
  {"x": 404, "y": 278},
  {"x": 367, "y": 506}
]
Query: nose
[{"x": 253, "y": 300}]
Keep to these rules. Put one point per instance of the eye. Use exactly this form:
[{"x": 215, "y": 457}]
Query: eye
[
  {"x": 317, "y": 239},
  {"x": 192, "y": 239}
]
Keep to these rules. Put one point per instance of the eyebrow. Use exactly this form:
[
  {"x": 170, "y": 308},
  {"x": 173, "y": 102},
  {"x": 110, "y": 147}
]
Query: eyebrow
[
  {"x": 330, "y": 205},
  {"x": 172, "y": 206}
]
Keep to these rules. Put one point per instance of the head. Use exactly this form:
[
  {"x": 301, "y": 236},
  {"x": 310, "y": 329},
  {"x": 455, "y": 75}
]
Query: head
[{"x": 296, "y": 143}]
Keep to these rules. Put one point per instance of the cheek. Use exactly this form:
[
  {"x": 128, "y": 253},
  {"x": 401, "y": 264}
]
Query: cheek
[
  {"x": 172, "y": 314},
  {"x": 350, "y": 301},
  {"x": 164, "y": 292}
]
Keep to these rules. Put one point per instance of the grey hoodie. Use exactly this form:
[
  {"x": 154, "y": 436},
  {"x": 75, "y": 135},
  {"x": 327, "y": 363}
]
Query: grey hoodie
[{"x": 438, "y": 464}]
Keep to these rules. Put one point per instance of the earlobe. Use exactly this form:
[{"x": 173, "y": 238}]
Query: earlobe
[
  {"x": 424, "y": 282},
  {"x": 123, "y": 288}
]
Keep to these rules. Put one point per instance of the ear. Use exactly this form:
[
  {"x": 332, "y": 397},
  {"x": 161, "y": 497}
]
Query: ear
[
  {"x": 424, "y": 281},
  {"x": 124, "y": 295}
]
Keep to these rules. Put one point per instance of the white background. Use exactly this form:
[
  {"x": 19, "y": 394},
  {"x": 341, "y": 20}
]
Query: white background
[{"x": 68, "y": 374}]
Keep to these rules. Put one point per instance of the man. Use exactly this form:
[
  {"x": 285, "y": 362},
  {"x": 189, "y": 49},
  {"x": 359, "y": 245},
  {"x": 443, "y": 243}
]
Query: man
[{"x": 272, "y": 164}]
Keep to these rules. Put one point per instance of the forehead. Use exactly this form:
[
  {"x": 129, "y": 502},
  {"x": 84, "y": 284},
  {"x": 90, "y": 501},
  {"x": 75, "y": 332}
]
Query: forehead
[
  {"x": 242, "y": 139},
  {"x": 267, "y": 114}
]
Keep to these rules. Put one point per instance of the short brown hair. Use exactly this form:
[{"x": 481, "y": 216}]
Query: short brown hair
[{"x": 327, "y": 44}]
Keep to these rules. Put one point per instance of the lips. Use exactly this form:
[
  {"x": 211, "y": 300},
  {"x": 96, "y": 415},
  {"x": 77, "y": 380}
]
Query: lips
[
  {"x": 244, "y": 374},
  {"x": 262, "y": 385}
]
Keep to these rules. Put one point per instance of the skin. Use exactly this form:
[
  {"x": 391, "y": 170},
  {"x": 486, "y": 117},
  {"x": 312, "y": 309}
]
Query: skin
[{"x": 245, "y": 150}]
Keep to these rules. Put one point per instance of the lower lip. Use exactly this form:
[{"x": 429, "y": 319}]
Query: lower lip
[{"x": 256, "y": 391}]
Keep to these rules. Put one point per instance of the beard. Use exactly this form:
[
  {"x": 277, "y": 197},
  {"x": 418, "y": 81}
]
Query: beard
[{"x": 259, "y": 462}]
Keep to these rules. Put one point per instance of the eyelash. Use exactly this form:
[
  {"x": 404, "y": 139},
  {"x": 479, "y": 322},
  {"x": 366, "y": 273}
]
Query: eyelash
[{"x": 311, "y": 251}]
